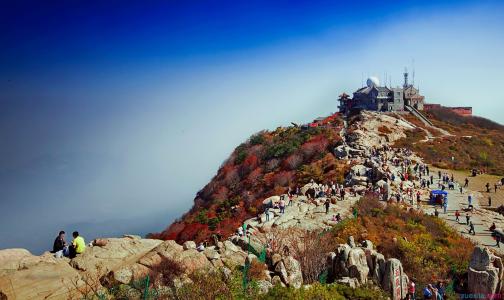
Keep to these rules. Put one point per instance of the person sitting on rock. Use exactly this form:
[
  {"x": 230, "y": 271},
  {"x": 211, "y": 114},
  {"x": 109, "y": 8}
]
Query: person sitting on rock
[
  {"x": 60, "y": 247},
  {"x": 78, "y": 245},
  {"x": 492, "y": 228},
  {"x": 201, "y": 247}
]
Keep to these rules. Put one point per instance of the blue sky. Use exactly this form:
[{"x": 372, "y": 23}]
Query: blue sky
[{"x": 115, "y": 113}]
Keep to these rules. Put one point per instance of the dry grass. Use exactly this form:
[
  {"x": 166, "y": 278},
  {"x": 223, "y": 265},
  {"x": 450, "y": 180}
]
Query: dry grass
[{"x": 476, "y": 143}]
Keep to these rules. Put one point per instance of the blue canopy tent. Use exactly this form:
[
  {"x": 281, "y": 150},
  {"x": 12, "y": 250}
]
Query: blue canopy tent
[{"x": 437, "y": 196}]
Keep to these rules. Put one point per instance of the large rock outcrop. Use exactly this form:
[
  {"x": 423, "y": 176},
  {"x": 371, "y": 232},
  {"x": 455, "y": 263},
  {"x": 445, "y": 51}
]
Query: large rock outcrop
[
  {"x": 356, "y": 265},
  {"x": 485, "y": 272},
  {"x": 119, "y": 261}
]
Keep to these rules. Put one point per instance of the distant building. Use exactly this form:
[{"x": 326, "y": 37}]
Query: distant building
[{"x": 382, "y": 98}]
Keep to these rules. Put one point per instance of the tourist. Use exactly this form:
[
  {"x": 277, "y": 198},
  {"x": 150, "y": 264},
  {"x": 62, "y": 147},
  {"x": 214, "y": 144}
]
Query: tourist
[
  {"x": 327, "y": 203},
  {"x": 240, "y": 231},
  {"x": 469, "y": 199},
  {"x": 267, "y": 213},
  {"x": 441, "y": 290},
  {"x": 498, "y": 238},
  {"x": 439, "y": 174},
  {"x": 492, "y": 228},
  {"x": 60, "y": 247},
  {"x": 466, "y": 184},
  {"x": 436, "y": 212},
  {"x": 489, "y": 201},
  {"x": 471, "y": 228},
  {"x": 468, "y": 218},
  {"x": 487, "y": 185},
  {"x": 411, "y": 290},
  {"x": 445, "y": 205},
  {"x": 290, "y": 200},
  {"x": 201, "y": 246},
  {"x": 457, "y": 215},
  {"x": 338, "y": 217},
  {"x": 461, "y": 190},
  {"x": 282, "y": 205},
  {"x": 427, "y": 292},
  {"x": 78, "y": 245},
  {"x": 342, "y": 194},
  {"x": 496, "y": 187}
]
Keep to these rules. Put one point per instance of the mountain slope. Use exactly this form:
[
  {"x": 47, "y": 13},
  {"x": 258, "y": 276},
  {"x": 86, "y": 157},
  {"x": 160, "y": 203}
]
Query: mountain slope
[{"x": 267, "y": 164}]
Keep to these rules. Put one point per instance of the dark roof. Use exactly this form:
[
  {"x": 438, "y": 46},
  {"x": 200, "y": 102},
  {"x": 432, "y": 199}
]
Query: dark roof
[
  {"x": 367, "y": 89},
  {"x": 382, "y": 88},
  {"x": 363, "y": 90}
]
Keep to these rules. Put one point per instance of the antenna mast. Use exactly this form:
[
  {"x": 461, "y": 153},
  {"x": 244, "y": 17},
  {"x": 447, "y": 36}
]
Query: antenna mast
[
  {"x": 413, "y": 66},
  {"x": 405, "y": 85}
]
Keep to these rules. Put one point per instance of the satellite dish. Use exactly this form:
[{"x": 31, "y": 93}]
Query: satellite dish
[{"x": 373, "y": 81}]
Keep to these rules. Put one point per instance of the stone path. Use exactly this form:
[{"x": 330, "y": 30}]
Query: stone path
[{"x": 481, "y": 218}]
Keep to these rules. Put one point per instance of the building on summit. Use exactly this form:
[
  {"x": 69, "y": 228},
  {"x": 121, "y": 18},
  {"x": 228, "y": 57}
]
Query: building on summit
[{"x": 382, "y": 98}]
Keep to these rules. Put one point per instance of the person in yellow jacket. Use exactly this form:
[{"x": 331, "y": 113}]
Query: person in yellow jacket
[{"x": 78, "y": 245}]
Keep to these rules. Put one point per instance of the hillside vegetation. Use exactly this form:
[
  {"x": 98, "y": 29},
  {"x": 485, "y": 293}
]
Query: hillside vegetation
[
  {"x": 428, "y": 249},
  {"x": 267, "y": 164},
  {"x": 476, "y": 143}
]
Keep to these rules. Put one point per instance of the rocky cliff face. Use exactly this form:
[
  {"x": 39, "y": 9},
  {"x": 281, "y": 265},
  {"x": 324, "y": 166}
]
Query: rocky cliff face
[{"x": 119, "y": 261}]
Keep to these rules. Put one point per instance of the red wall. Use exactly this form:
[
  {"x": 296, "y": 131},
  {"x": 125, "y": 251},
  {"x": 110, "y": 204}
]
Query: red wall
[{"x": 463, "y": 111}]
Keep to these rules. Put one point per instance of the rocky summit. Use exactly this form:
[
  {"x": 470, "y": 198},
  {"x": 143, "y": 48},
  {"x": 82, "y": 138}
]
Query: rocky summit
[{"x": 340, "y": 210}]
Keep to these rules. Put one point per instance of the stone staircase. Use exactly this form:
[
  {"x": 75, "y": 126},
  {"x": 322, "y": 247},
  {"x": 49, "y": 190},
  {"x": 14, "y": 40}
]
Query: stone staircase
[{"x": 419, "y": 115}]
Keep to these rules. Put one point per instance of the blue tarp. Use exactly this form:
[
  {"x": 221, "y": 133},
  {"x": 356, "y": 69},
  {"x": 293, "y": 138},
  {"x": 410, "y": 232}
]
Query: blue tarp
[{"x": 437, "y": 196}]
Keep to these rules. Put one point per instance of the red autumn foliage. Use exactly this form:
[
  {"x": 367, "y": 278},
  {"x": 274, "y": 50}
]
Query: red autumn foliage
[
  {"x": 284, "y": 178},
  {"x": 231, "y": 178},
  {"x": 221, "y": 193},
  {"x": 249, "y": 164},
  {"x": 194, "y": 231},
  {"x": 254, "y": 176},
  {"x": 317, "y": 144},
  {"x": 293, "y": 161},
  {"x": 269, "y": 179}
]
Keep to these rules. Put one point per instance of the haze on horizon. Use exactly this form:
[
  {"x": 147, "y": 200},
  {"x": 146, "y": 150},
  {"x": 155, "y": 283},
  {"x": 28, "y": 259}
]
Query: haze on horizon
[{"x": 113, "y": 115}]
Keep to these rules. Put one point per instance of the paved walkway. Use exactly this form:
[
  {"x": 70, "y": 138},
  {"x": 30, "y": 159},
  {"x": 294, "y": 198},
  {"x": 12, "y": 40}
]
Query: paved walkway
[{"x": 481, "y": 218}]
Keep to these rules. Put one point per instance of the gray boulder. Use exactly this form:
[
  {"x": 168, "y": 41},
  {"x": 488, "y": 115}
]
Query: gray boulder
[
  {"x": 293, "y": 268},
  {"x": 485, "y": 272},
  {"x": 189, "y": 245},
  {"x": 351, "y": 282}
]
